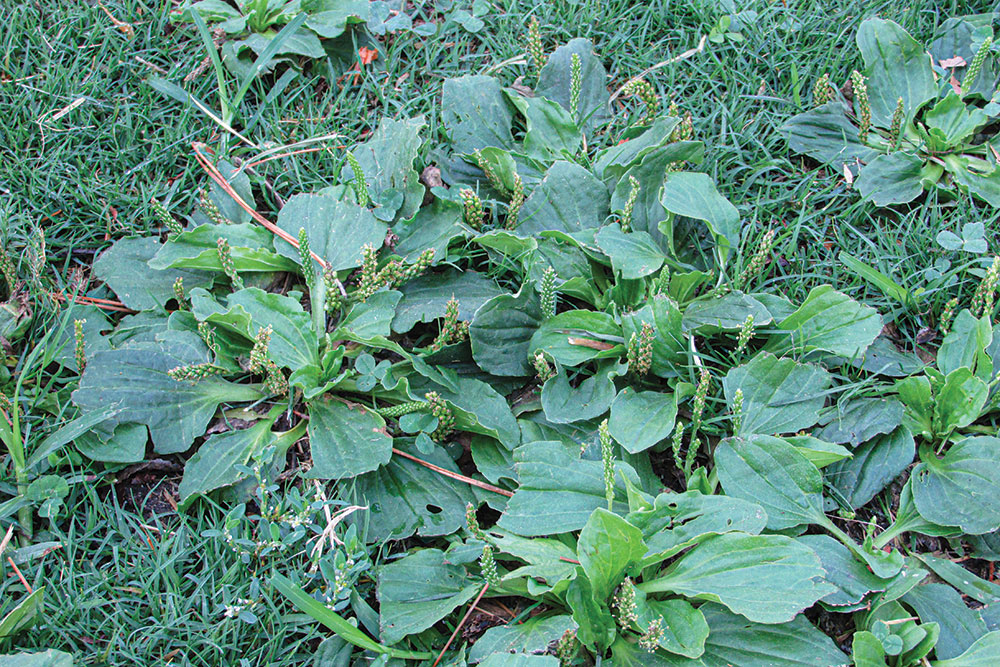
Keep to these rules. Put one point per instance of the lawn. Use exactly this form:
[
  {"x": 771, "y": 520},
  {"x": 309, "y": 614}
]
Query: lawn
[{"x": 262, "y": 507}]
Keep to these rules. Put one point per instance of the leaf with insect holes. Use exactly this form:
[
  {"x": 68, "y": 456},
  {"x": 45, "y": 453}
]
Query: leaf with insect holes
[
  {"x": 406, "y": 498},
  {"x": 677, "y": 521}
]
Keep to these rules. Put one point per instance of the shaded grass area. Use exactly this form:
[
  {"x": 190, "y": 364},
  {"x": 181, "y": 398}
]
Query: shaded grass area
[{"x": 85, "y": 143}]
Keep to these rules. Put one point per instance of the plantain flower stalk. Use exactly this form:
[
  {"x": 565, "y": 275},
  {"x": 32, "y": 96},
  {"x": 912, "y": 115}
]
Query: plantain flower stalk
[
  {"x": 359, "y": 183},
  {"x": 575, "y": 85},
  {"x": 536, "y": 52},
  {"x": 862, "y": 105},
  {"x": 977, "y": 65}
]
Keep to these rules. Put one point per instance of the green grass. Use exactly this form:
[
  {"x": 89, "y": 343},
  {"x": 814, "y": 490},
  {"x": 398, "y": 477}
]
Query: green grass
[{"x": 116, "y": 597}]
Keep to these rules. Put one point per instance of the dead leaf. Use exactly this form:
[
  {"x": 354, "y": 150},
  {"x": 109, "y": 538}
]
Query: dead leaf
[
  {"x": 956, "y": 61},
  {"x": 592, "y": 344}
]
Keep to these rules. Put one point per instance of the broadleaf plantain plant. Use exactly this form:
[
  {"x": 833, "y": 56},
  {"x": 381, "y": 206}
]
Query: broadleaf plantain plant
[
  {"x": 575, "y": 332},
  {"x": 916, "y": 118}
]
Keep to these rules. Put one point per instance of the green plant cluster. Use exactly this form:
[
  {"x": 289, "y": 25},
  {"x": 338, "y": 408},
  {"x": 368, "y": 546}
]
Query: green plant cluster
[
  {"x": 915, "y": 118},
  {"x": 560, "y": 377}
]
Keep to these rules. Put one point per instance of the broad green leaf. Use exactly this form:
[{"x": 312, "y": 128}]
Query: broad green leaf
[
  {"x": 568, "y": 199},
  {"x": 826, "y": 134},
  {"x": 533, "y": 635},
  {"x": 639, "y": 420},
  {"x": 345, "y": 439},
  {"x": 960, "y": 400},
  {"x": 883, "y": 358},
  {"x": 633, "y": 254},
  {"x": 779, "y": 395},
  {"x": 548, "y": 561},
  {"x": 608, "y": 546},
  {"x": 134, "y": 376},
  {"x": 862, "y": 419},
  {"x": 969, "y": 584},
  {"x": 897, "y": 66},
  {"x": 728, "y": 312},
  {"x": 819, "y": 452},
  {"x": 214, "y": 464},
  {"x": 371, "y": 319},
  {"x": 895, "y": 178},
  {"x": 124, "y": 268},
  {"x": 962, "y": 488},
  {"x": 734, "y": 641},
  {"x": 786, "y": 576},
  {"x": 867, "y": 650},
  {"x": 983, "y": 186},
  {"x": 386, "y": 159},
  {"x": 966, "y": 345},
  {"x": 551, "y": 131},
  {"x": 432, "y": 226},
  {"x": 828, "y": 320},
  {"x": 613, "y": 161},
  {"x": 405, "y": 497},
  {"x": 425, "y": 298},
  {"x": 197, "y": 248},
  {"x": 983, "y": 653},
  {"x": 695, "y": 196},
  {"x": 554, "y": 83},
  {"x": 565, "y": 404},
  {"x": 679, "y": 520},
  {"x": 595, "y": 626},
  {"x": 851, "y": 577},
  {"x": 293, "y": 343},
  {"x": 23, "y": 615},
  {"x": 337, "y": 230},
  {"x": 126, "y": 444},
  {"x": 873, "y": 467},
  {"x": 684, "y": 626},
  {"x": 556, "y": 334},
  {"x": 48, "y": 658},
  {"x": 773, "y": 474},
  {"x": 942, "y": 604},
  {"x": 476, "y": 114},
  {"x": 419, "y": 590},
  {"x": 330, "y": 18},
  {"x": 501, "y": 331},
  {"x": 552, "y": 476},
  {"x": 951, "y": 122}
]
